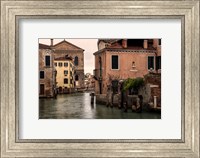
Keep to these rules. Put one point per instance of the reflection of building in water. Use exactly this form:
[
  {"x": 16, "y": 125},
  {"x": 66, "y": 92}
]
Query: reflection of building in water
[
  {"x": 119, "y": 59},
  {"x": 65, "y": 48},
  {"x": 47, "y": 73},
  {"x": 65, "y": 74}
]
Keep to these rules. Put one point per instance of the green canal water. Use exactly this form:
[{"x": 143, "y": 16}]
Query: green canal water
[{"x": 77, "y": 106}]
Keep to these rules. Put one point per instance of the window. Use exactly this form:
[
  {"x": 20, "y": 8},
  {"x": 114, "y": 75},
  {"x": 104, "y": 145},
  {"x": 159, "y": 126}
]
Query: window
[
  {"x": 70, "y": 73},
  {"x": 76, "y": 78},
  {"x": 70, "y": 65},
  {"x": 76, "y": 61},
  {"x": 151, "y": 62},
  {"x": 159, "y": 41},
  {"x": 47, "y": 60},
  {"x": 60, "y": 64},
  {"x": 65, "y": 72},
  {"x": 158, "y": 62},
  {"x": 65, "y": 80},
  {"x": 133, "y": 64},
  {"x": 65, "y": 64},
  {"x": 115, "y": 62},
  {"x": 41, "y": 74},
  {"x": 55, "y": 64},
  {"x": 71, "y": 81}
]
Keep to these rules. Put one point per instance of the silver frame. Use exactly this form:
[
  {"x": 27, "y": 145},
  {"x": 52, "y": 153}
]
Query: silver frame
[{"x": 187, "y": 11}]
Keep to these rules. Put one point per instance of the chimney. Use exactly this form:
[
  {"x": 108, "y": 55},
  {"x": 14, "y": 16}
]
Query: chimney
[
  {"x": 155, "y": 43},
  {"x": 145, "y": 44},
  {"x": 51, "y": 42},
  {"x": 124, "y": 43}
]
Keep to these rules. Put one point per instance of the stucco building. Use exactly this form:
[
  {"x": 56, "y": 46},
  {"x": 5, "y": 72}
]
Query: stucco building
[
  {"x": 119, "y": 59},
  {"x": 47, "y": 73},
  {"x": 65, "y": 74},
  {"x": 65, "y": 48}
]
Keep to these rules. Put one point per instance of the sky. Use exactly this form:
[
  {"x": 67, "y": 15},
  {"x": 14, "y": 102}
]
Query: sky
[{"x": 89, "y": 45}]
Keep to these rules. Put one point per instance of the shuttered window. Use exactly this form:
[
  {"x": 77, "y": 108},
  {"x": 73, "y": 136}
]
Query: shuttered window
[
  {"x": 150, "y": 62},
  {"x": 115, "y": 62}
]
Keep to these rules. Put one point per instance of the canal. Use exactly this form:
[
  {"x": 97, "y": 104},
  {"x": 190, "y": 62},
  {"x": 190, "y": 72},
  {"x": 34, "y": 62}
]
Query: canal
[{"x": 77, "y": 106}]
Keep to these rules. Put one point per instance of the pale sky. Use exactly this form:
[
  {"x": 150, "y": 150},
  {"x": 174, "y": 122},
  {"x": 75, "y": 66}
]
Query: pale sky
[{"x": 89, "y": 45}]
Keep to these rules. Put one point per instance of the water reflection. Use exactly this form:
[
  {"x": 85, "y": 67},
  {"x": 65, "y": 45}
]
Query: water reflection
[{"x": 77, "y": 106}]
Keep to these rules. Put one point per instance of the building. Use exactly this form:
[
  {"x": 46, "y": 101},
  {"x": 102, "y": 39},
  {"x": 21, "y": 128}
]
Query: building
[
  {"x": 89, "y": 81},
  {"x": 65, "y": 48},
  {"x": 47, "y": 73},
  {"x": 65, "y": 74},
  {"x": 119, "y": 59}
]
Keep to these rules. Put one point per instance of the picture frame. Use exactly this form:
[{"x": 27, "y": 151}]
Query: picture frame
[{"x": 12, "y": 11}]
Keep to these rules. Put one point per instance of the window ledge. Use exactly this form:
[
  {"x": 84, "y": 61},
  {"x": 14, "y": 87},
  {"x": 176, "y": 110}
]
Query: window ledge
[
  {"x": 114, "y": 69},
  {"x": 134, "y": 70}
]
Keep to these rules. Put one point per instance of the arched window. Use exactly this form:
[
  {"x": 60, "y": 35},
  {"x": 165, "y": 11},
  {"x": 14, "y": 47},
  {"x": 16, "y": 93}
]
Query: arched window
[
  {"x": 76, "y": 78},
  {"x": 76, "y": 61}
]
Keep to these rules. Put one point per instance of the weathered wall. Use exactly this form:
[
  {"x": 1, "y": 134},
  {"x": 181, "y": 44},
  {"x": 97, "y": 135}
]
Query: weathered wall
[{"x": 49, "y": 78}]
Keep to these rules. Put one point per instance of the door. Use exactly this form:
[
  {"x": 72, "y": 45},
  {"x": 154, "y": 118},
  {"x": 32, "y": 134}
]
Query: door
[{"x": 41, "y": 89}]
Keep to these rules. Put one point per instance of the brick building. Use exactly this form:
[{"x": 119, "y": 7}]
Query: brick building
[
  {"x": 65, "y": 48},
  {"x": 119, "y": 59},
  {"x": 65, "y": 74},
  {"x": 47, "y": 73}
]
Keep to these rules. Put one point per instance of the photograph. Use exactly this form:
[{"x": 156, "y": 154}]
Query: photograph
[{"x": 99, "y": 78}]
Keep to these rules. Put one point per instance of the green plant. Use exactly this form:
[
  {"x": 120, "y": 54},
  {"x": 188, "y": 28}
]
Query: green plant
[{"x": 133, "y": 83}]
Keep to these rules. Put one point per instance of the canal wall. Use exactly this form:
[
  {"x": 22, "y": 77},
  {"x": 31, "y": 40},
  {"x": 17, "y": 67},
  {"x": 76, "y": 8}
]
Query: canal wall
[{"x": 102, "y": 99}]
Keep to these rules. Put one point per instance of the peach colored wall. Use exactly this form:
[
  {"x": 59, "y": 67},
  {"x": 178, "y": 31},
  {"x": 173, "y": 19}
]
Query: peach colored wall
[{"x": 125, "y": 67}]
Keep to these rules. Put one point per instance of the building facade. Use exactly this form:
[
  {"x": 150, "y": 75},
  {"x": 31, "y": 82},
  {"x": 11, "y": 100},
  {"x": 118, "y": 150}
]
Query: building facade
[
  {"x": 65, "y": 74},
  {"x": 47, "y": 73},
  {"x": 65, "y": 48},
  {"x": 119, "y": 59},
  {"x": 89, "y": 81}
]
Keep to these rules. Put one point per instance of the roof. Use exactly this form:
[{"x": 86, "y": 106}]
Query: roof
[
  {"x": 151, "y": 49},
  {"x": 63, "y": 58},
  {"x": 108, "y": 40},
  {"x": 64, "y": 41},
  {"x": 44, "y": 46}
]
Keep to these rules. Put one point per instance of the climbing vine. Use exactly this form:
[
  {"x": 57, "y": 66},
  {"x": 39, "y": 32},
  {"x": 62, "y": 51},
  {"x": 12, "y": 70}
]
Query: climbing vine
[{"x": 134, "y": 84}]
